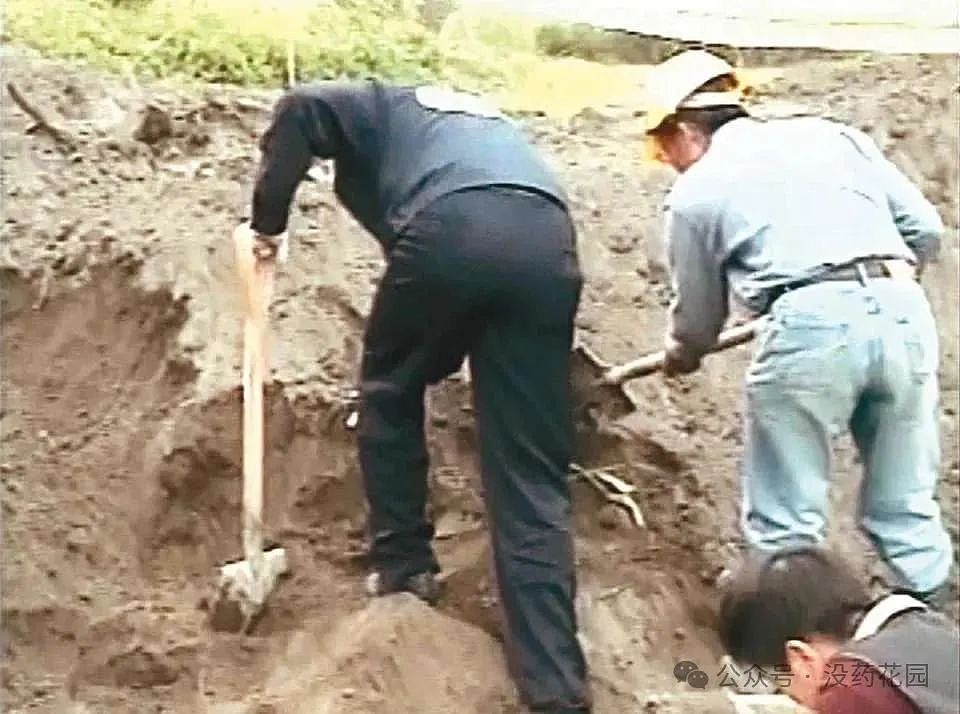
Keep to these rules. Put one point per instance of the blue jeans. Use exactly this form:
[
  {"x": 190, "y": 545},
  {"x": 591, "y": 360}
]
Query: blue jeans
[{"x": 840, "y": 355}]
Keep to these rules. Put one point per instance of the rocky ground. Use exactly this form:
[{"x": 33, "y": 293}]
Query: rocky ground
[{"x": 121, "y": 416}]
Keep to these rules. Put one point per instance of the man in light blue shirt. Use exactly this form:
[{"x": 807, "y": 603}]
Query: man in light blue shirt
[{"x": 805, "y": 221}]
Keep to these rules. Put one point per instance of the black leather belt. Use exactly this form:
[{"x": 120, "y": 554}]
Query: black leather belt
[{"x": 872, "y": 268}]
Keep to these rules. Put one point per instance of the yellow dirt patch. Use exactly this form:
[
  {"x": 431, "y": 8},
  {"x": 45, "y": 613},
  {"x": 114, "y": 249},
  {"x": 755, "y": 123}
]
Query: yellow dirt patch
[{"x": 562, "y": 88}]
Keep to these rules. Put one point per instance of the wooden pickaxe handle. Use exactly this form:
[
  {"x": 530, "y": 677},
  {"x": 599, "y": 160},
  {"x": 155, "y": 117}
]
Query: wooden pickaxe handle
[{"x": 652, "y": 363}]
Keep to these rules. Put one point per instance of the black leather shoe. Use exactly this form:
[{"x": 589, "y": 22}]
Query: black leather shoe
[{"x": 425, "y": 586}]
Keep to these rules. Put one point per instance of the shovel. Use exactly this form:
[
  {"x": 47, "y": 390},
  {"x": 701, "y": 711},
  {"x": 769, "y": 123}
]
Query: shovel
[
  {"x": 597, "y": 384},
  {"x": 245, "y": 585}
]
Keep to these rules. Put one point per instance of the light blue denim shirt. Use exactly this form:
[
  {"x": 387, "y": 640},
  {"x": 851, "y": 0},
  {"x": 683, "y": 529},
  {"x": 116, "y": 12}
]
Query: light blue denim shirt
[{"x": 773, "y": 202}]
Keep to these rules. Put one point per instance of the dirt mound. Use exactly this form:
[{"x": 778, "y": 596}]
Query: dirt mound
[
  {"x": 136, "y": 647},
  {"x": 395, "y": 655},
  {"x": 120, "y": 422}
]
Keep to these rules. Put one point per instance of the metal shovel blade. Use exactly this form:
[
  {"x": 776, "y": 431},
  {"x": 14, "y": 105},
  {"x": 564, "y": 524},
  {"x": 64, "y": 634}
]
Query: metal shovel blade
[
  {"x": 243, "y": 590},
  {"x": 593, "y": 396},
  {"x": 597, "y": 385}
]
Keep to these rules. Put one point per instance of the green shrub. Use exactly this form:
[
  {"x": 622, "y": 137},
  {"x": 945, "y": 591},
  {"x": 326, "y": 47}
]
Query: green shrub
[
  {"x": 608, "y": 46},
  {"x": 245, "y": 41}
]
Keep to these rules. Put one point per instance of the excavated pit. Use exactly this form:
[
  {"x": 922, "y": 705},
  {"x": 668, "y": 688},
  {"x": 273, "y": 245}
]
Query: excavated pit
[{"x": 161, "y": 509}]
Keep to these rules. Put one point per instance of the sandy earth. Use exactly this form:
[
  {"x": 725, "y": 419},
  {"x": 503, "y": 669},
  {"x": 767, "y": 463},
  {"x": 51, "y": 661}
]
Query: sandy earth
[{"x": 120, "y": 457}]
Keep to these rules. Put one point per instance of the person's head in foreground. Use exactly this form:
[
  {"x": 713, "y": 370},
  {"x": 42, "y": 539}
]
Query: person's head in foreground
[
  {"x": 805, "y": 611},
  {"x": 795, "y": 609}
]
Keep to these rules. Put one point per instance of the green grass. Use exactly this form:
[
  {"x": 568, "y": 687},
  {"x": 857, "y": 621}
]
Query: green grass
[{"x": 245, "y": 42}]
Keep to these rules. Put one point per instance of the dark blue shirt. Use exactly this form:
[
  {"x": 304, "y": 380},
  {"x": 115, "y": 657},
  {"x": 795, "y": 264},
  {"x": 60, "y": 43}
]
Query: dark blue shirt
[{"x": 395, "y": 150}]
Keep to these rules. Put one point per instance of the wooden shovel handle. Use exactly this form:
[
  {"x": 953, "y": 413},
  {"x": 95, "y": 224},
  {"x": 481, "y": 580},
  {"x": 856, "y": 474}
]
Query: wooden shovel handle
[
  {"x": 258, "y": 282},
  {"x": 649, "y": 364}
]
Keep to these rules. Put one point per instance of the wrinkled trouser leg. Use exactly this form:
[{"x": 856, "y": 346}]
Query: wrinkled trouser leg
[
  {"x": 523, "y": 405},
  {"x": 799, "y": 392},
  {"x": 414, "y": 337},
  {"x": 896, "y": 428}
]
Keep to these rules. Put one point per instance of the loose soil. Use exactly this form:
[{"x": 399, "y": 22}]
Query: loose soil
[{"x": 120, "y": 422}]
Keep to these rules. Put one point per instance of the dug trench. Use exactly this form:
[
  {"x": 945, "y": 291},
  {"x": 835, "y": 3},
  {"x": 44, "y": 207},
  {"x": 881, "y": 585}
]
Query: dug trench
[
  {"x": 105, "y": 384},
  {"x": 89, "y": 375}
]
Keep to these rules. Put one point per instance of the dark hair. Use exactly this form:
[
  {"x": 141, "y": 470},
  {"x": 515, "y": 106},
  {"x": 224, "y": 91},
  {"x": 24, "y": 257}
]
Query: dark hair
[
  {"x": 791, "y": 595},
  {"x": 708, "y": 119}
]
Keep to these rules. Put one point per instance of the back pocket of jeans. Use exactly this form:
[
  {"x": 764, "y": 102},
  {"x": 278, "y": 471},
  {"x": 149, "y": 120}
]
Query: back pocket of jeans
[
  {"x": 801, "y": 357},
  {"x": 921, "y": 352}
]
